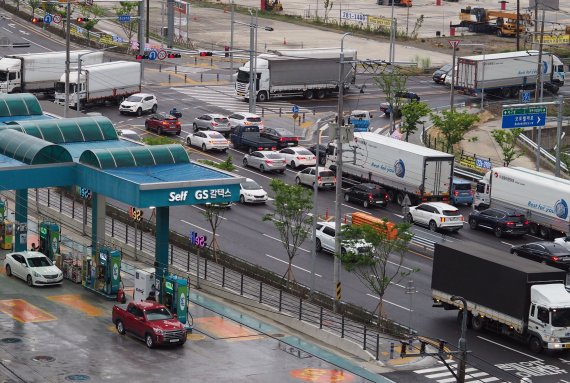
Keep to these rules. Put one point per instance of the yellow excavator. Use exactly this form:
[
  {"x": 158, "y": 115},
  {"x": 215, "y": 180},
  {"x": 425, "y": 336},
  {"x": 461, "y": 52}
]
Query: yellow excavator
[
  {"x": 274, "y": 5},
  {"x": 501, "y": 23}
]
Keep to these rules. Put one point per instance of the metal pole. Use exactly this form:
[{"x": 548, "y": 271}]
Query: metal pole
[
  {"x": 482, "y": 80},
  {"x": 67, "y": 57},
  {"x": 251, "y": 38},
  {"x": 162, "y": 11},
  {"x": 315, "y": 210},
  {"x": 148, "y": 20},
  {"x": 407, "y": 19},
  {"x": 141, "y": 36},
  {"x": 539, "y": 83},
  {"x": 255, "y": 64},
  {"x": 518, "y": 32},
  {"x": 170, "y": 21},
  {"x": 392, "y": 35},
  {"x": 77, "y": 85},
  {"x": 338, "y": 202},
  {"x": 232, "y": 36},
  {"x": 462, "y": 342},
  {"x": 453, "y": 78},
  {"x": 558, "y": 133}
]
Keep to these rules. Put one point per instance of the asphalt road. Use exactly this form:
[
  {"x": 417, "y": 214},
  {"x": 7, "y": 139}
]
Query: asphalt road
[{"x": 244, "y": 234}]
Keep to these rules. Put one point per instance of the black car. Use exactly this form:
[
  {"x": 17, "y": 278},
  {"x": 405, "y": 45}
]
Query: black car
[
  {"x": 410, "y": 96},
  {"x": 550, "y": 253},
  {"x": 438, "y": 75},
  {"x": 281, "y": 136},
  {"x": 367, "y": 194},
  {"x": 322, "y": 152},
  {"x": 500, "y": 221}
]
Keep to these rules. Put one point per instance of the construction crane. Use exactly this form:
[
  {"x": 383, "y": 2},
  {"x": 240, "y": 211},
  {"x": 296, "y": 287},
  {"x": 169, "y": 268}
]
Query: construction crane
[{"x": 501, "y": 23}]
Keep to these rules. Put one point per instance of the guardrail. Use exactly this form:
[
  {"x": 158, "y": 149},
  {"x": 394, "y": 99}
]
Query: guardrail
[{"x": 543, "y": 152}]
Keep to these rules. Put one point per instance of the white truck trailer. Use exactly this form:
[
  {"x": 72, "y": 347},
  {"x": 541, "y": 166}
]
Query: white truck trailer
[
  {"x": 402, "y": 168},
  {"x": 38, "y": 72},
  {"x": 111, "y": 81},
  {"x": 506, "y": 74},
  {"x": 311, "y": 73},
  {"x": 542, "y": 197}
]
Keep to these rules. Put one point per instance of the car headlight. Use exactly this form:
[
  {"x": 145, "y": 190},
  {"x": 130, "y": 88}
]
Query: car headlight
[
  {"x": 552, "y": 339},
  {"x": 36, "y": 274},
  {"x": 158, "y": 331}
]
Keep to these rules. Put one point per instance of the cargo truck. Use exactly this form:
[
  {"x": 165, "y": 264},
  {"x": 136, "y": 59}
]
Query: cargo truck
[
  {"x": 111, "y": 81},
  {"x": 311, "y": 73},
  {"x": 513, "y": 296},
  {"x": 402, "y": 168},
  {"x": 543, "y": 198},
  {"x": 506, "y": 74},
  {"x": 38, "y": 72}
]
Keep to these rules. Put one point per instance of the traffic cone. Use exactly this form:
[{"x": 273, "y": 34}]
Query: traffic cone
[
  {"x": 284, "y": 41},
  {"x": 327, "y": 215}
]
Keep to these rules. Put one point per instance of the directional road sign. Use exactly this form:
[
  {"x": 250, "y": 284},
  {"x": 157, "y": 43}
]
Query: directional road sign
[
  {"x": 454, "y": 43},
  {"x": 524, "y": 117},
  {"x": 48, "y": 18},
  {"x": 152, "y": 55},
  {"x": 124, "y": 18},
  {"x": 295, "y": 109},
  {"x": 525, "y": 96}
]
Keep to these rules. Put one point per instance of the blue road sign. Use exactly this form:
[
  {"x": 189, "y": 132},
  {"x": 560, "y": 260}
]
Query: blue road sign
[
  {"x": 295, "y": 109},
  {"x": 124, "y": 18},
  {"x": 525, "y": 96},
  {"x": 524, "y": 117},
  {"x": 152, "y": 55},
  {"x": 48, "y": 18}
]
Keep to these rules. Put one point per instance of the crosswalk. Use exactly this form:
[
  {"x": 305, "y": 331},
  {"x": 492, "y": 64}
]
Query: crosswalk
[
  {"x": 223, "y": 97},
  {"x": 441, "y": 374}
]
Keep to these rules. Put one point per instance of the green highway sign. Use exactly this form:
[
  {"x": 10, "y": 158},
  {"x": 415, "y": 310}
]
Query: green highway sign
[
  {"x": 524, "y": 117},
  {"x": 524, "y": 110}
]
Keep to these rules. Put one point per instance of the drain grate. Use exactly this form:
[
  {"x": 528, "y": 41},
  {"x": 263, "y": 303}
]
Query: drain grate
[
  {"x": 11, "y": 340},
  {"x": 43, "y": 358},
  {"x": 77, "y": 377}
]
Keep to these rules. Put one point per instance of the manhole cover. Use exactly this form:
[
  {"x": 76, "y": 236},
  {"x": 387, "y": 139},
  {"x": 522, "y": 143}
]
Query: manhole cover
[
  {"x": 278, "y": 335},
  {"x": 43, "y": 358},
  {"x": 10, "y": 340},
  {"x": 77, "y": 377}
]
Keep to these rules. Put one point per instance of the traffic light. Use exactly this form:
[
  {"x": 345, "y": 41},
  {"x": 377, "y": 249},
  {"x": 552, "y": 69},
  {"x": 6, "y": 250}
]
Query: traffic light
[
  {"x": 82, "y": 19},
  {"x": 36, "y": 20},
  {"x": 174, "y": 55},
  {"x": 142, "y": 57},
  {"x": 205, "y": 53}
]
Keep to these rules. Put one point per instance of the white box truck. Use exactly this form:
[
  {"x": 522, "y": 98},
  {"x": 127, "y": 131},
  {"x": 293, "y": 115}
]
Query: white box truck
[
  {"x": 543, "y": 198},
  {"x": 38, "y": 72},
  {"x": 311, "y": 73},
  {"x": 506, "y": 74},
  {"x": 111, "y": 81},
  {"x": 402, "y": 168}
]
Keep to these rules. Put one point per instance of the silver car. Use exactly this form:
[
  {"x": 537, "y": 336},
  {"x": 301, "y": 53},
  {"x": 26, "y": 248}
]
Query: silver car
[
  {"x": 326, "y": 178},
  {"x": 265, "y": 161},
  {"x": 216, "y": 122}
]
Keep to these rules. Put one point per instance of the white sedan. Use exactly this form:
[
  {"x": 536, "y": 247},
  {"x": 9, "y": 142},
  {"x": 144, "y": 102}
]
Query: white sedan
[
  {"x": 297, "y": 156},
  {"x": 33, "y": 267},
  {"x": 251, "y": 192},
  {"x": 208, "y": 140}
]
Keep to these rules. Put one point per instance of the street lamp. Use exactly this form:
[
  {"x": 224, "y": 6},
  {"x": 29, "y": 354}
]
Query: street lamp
[
  {"x": 462, "y": 341},
  {"x": 338, "y": 202}
]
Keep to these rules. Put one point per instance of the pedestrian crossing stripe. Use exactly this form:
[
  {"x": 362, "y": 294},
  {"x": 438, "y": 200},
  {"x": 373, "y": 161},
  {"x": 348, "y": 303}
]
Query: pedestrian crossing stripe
[
  {"x": 441, "y": 374},
  {"x": 224, "y": 97}
]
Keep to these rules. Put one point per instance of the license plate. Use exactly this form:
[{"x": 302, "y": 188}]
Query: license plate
[
  {"x": 290, "y": 143},
  {"x": 174, "y": 340},
  {"x": 328, "y": 184},
  {"x": 518, "y": 224}
]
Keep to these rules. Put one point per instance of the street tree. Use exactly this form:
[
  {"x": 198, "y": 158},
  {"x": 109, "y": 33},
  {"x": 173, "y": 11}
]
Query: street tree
[
  {"x": 382, "y": 265},
  {"x": 129, "y": 27},
  {"x": 92, "y": 12},
  {"x": 393, "y": 83},
  {"x": 327, "y": 5},
  {"x": 34, "y": 4},
  {"x": 453, "y": 125},
  {"x": 291, "y": 217},
  {"x": 507, "y": 141},
  {"x": 214, "y": 214},
  {"x": 412, "y": 113}
]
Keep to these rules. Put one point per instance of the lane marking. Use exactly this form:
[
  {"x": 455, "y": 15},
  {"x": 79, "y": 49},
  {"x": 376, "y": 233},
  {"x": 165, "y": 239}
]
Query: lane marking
[
  {"x": 508, "y": 244},
  {"x": 392, "y": 303},
  {"x": 402, "y": 266},
  {"x": 24, "y": 312},
  {"x": 509, "y": 348},
  {"x": 295, "y": 266},
  {"x": 201, "y": 228},
  {"x": 33, "y": 42},
  {"x": 278, "y": 240},
  {"x": 74, "y": 301},
  {"x": 199, "y": 208}
]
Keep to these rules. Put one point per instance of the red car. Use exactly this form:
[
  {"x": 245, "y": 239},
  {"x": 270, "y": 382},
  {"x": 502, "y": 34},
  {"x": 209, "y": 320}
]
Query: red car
[
  {"x": 151, "y": 322},
  {"x": 163, "y": 122}
]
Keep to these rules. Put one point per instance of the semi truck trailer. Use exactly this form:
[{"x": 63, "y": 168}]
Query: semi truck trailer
[
  {"x": 543, "y": 198},
  {"x": 311, "y": 73},
  {"x": 506, "y": 74},
  {"x": 402, "y": 168},
  {"x": 38, "y": 72},
  {"x": 111, "y": 81},
  {"x": 513, "y": 296}
]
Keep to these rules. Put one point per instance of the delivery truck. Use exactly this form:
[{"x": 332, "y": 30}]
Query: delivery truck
[
  {"x": 543, "y": 198},
  {"x": 510, "y": 295},
  {"x": 402, "y": 168},
  {"x": 506, "y": 74},
  {"x": 311, "y": 73},
  {"x": 38, "y": 72},
  {"x": 111, "y": 81}
]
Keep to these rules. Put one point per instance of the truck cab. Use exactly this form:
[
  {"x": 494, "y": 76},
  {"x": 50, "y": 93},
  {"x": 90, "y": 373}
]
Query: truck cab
[
  {"x": 361, "y": 120},
  {"x": 10, "y": 75},
  {"x": 262, "y": 80},
  {"x": 549, "y": 317}
]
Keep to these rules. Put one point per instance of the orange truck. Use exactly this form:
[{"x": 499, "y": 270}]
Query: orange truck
[
  {"x": 384, "y": 227},
  {"x": 400, "y": 3}
]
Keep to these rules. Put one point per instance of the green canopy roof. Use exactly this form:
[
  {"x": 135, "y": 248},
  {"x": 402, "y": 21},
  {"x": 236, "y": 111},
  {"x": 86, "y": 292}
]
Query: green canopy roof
[
  {"x": 19, "y": 104},
  {"x": 31, "y": 150},
  {"x": 80, "y": 129},
  {"x": 135, "y": 157}
]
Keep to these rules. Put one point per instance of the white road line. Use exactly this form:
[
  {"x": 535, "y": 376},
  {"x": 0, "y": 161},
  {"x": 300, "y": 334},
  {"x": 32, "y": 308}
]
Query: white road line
[
  {"x": 278, "y": 240},
  {"x": 201, "y": 228},
  {"x": 434, "y": 369},
  {"x": 508, "y": 244},
  {"x": 297, "y": 267},
  {"x": 199, "y": 208},
  {"x": 398, "y": 215},
  {"x": 39, "y": 45},
  {"x": 448, "y": 373},
  {"x": 508, "y": 348},
  {"x": 402, "y": 266},
  {"x": 392, "y": 303}
]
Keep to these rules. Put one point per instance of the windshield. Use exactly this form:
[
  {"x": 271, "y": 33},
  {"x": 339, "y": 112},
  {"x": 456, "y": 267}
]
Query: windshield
[
  {"x": 304, "y": 152},
  {"x": 134, "y": 99},
  {"x": 462, "y": 186},
  {"x": 326, "y": 173},
  {"x": 215, "y": 135},
  {"x": 39, "y": 262},
  {"x": 60, "y": 87},
  {"x": 253, "y": 119},
  {"x": 243, "y": 76},
  {"x": 561, "y": 317},
  {"x": 451, "y": 213},
  {"x": 274, "y": 156},
  {"x": 158, "y": 314},
  {"x": 446, "y": 68},
  {"x": 222, "y": 120},
  {"x": 3, "y": 76},
  {"x": 250, "y": 185}
]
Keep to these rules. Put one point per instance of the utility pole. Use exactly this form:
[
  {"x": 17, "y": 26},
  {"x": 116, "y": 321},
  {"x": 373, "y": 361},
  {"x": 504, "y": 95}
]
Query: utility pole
[
  {"x": 170, "y": 23},
  {"x": 539, "y": 86},
  {"x": 67, "y": 56},
  {"x": 147, "y": 20},
  {"x": 518, "y": 16},
  {"x": 558, "y": 133},
  {"x": 451, "y": 97},
  {"x": 251, "y": 58},
  {"x": 462, "y": 341},
  {"x": 232, "y": 15},
  {"x": 141, "y": 35}
]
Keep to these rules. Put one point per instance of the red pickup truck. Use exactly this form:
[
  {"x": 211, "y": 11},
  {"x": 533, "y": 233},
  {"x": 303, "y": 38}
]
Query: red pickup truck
[{"x": 149, "y": 321}]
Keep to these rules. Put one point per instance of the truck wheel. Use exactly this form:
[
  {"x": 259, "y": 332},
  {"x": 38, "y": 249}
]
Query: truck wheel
[
  {"x": 245, "y": 162},
  {"x": 321, "y": 94},
  {"x": 477, "y": 322},
  {"x": 346, "y": 198},
  {"x": 139, "y": 112},
  {"x": 498, "y": 232},
  {"x": 391, "y": 195},
  {"x": 120, "y": 327},
  {"x": 471, "y": 28},
  {"x": 473, "y": 224},
  {"x": 432, "y": 226},
  {"x": 309, "y": 94},
  {"x": 148, "y": 340},
  {"x": 241, "y": 199},
  {"x": 318, "y": 246},
  {"x": 535, "y": 345},
  {"x": 262, "y": 97},
  {"x": 400, "y": 199},
  {"x": 545, "y": 233},
  {"x": 365, "y": 204},
  {"x": 533, "y": 229}
]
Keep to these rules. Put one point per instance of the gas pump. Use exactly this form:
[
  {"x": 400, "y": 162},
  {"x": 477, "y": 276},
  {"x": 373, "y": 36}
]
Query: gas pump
[
  {"x": 102, "y": 272},
  {"x": 6, "y": 234},
  {"x": 175, "y": 298},
  {"x": 49, "y": 239}
]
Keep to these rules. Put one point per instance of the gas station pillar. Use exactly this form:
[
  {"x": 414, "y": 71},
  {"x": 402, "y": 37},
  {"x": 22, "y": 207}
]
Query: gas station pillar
[
  {"x": 161, "y": 247},
  {"x": 98, "y": 215},
  {"x": 21, "y": 224}
]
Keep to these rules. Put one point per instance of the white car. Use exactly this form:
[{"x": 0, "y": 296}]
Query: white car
[
  {"x": 564, "y": 242},
  {"x": 251, "y": 192},
  {"x": 139, "y": 103},
  {"x": 208, "y": 140},
  {"x": 297, "y": 156},
  {"x": 129, "y": 135},
  {"x": 245, "y": 119},
  {"x": 326, "y": 179},
  {"x": 326, "y": 240},
  {"x": 436, "y": 216},
  {"x": 33, "y": 267}
]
